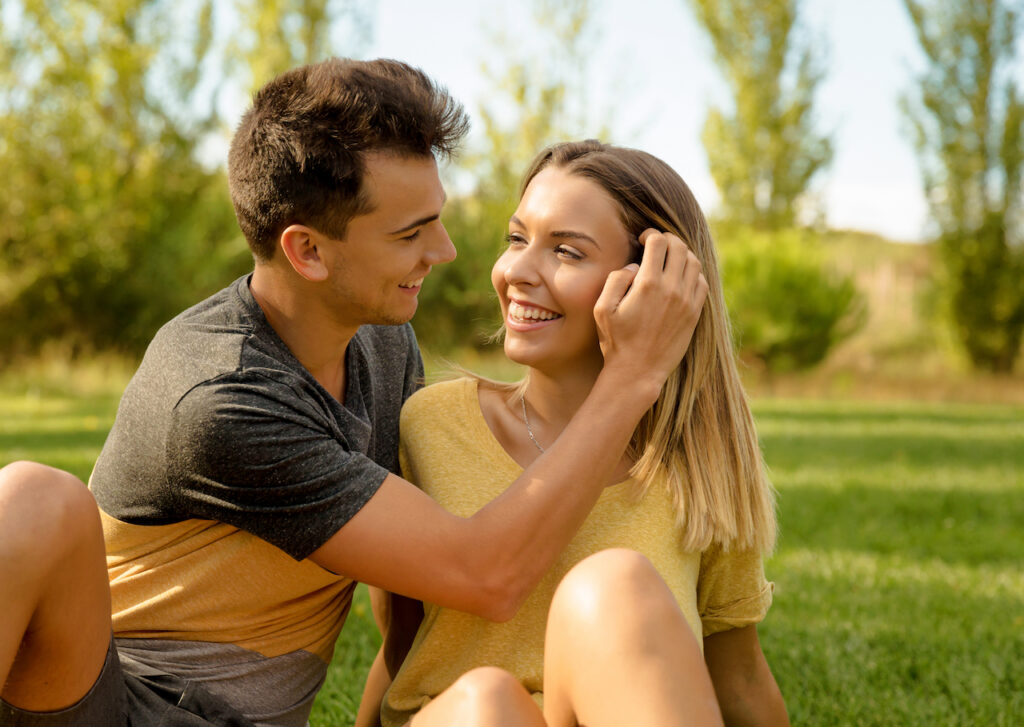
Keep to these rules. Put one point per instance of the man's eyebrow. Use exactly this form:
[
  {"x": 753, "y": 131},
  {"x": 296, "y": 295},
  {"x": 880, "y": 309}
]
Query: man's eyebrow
[
  {"x": 421, "y": 220},
  {"x": 561, "y": 234},
  {"x": 417, "y": 223}
]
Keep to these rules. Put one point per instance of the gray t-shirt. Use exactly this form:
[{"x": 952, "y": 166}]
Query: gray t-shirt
[
  {"x": 221, "y": 422},
  {"x": 226, "y": 452}
]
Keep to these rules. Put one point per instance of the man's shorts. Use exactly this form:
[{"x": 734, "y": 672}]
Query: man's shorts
[{"x": 121, "y": 699}]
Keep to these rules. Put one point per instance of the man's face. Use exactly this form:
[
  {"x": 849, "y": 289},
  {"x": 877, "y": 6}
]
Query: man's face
[{"x": 376, "y": 271}]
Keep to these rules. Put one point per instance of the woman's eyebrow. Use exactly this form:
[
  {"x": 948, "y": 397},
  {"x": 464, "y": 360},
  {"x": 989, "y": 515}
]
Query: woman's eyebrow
[
  {"x": 561, "y": 234},
  {"x": 573, "y": 235}
]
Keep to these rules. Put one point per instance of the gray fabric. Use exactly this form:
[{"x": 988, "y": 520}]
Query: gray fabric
[
  {"x": 121, "y": 699},
  {"x": 221, "y": 422},
  {"x": 275, "y": 692}
]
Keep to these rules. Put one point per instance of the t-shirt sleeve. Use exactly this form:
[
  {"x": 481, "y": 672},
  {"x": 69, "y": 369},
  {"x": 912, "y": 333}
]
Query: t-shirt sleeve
[
  {"x": 257, "y": 455},
  {"x": 731, "y": 589}
]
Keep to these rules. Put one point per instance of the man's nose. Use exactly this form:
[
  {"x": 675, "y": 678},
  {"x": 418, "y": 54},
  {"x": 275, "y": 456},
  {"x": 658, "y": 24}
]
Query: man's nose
[{"x": 442, "y": 249}]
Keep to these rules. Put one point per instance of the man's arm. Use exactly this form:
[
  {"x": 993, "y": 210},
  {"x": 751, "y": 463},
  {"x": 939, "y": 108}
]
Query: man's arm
[
  {"x": 487, "y": 564},
  {"x": 747, "y": 693}
]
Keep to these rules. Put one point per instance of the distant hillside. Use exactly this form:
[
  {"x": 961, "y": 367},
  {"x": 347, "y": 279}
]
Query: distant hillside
[{"x": 895, "y": 280}]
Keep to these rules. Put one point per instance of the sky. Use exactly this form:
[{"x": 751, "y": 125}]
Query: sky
[{"x": 653, "y": 66}]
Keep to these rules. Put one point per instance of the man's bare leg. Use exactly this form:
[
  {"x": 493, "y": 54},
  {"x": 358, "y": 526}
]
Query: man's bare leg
[
  {"x": 484, "y": 697},
  {"x": 619, "y": 651},
  {"x": 54, "y": 598}
]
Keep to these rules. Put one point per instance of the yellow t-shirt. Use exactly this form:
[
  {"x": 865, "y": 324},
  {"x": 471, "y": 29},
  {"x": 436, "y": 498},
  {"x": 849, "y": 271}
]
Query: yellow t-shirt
[{"x": 448, "y": 450}]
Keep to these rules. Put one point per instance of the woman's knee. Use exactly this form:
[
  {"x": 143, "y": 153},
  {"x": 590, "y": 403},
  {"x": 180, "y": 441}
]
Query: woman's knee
[
  {"x": 486, "y": 684},
  {"x": 486, "y": 693},
  {"x": 608, "y": 576}
]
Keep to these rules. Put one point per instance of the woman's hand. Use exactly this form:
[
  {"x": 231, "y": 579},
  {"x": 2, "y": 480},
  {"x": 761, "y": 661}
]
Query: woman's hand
[{"x": 646, "y": 316}]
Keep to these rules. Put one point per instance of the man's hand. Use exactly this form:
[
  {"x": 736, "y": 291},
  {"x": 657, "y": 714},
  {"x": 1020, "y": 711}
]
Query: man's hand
[{"x": 646, "y": 316}]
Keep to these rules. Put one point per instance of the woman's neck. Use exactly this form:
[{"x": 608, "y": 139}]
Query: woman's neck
[{"x": 553, "y": 399}]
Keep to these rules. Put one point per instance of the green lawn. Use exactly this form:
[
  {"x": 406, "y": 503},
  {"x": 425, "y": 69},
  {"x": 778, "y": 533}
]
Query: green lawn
[{"x": 899, "y": 582}]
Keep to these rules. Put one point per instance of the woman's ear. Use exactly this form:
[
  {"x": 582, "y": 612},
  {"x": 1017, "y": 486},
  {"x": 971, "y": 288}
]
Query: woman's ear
[{"x": 302, "y": 245}]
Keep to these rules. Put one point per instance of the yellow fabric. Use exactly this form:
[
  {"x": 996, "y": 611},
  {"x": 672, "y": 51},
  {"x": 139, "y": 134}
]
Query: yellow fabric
[
  {"x": 448, "y": 450},
  {"x": 273, "y": 606}
]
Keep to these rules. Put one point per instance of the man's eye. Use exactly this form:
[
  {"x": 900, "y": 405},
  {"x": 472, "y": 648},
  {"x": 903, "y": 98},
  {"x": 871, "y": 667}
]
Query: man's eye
[{"x": 413, "y": 236}]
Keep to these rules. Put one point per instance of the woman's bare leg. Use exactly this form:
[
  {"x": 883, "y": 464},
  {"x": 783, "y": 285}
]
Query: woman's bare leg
[
  {"x": 54, "y": 598},
  {"x": 618, "y": 650},
  {"x": 484, "y": 697}
]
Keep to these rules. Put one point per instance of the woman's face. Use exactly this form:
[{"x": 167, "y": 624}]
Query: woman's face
[{"x": 564, "y": 239}]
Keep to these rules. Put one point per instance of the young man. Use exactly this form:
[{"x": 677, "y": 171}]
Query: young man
[{"x": 249, "y": 479}]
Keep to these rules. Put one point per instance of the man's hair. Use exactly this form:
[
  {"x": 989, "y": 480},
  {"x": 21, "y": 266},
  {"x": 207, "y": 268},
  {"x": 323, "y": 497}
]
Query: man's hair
[{"x": 298, "y": 153}]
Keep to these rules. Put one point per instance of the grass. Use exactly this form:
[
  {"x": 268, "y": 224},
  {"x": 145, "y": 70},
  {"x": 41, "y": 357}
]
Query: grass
[{"x": 899, "y": 588}]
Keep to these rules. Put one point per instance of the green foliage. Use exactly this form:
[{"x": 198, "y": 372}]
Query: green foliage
[
  {"x": 110, "y": 225},
  {"x": 787, "y": 308},
  {"x": 528, "y": 107},
  {"x": 967, "y": 115},
  {"x": 275, "y": 35},
  {"x": 764, "y": 153}
]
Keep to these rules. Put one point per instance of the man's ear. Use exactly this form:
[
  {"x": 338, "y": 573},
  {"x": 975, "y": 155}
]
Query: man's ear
[{"x": 301, "y": 245}]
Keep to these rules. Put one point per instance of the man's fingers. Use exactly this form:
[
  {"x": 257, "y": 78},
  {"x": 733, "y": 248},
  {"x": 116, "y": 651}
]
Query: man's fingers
[
  {"x": 700, "y": 293},
  {"x": 615, "y": 288},
  {"x": 664, "y": 254},
  {"x": 655, "y": 249},
  {"x": 691, "y": 271}
]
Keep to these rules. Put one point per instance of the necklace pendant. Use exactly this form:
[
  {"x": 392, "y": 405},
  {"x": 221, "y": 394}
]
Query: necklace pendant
[{"x": 529, "y": 429}]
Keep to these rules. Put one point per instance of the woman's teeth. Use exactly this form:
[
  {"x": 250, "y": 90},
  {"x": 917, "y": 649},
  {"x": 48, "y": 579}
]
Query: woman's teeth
[
  {"x": 412, "y": 284},
  {"x": 524, "y": 313}
]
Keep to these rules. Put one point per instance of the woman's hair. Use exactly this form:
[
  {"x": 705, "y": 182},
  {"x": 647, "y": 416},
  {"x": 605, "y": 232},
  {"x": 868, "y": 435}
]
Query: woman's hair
[{"x": 700, "y": 431}]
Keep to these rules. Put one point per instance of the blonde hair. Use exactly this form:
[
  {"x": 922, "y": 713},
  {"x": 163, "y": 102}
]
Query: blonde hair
[{"x": 700, "y": 434}]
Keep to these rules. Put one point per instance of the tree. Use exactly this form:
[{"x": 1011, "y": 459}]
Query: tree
[
  {"x": 275, "y": 35},
  {"x": 764, "y": 154},
  {"x": 967, "y": 115},
  {"x": 529, "y": 107},
  {"x": 111, "y": 222},
  {"x": 787, "y": 307}
]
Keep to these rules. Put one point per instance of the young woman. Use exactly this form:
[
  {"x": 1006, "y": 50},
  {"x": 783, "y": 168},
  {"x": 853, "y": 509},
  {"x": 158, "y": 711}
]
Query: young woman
[{"x": 618, "y": 640}]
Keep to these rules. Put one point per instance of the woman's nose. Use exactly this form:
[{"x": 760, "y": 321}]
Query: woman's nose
[{"x": 521, "y": 267}]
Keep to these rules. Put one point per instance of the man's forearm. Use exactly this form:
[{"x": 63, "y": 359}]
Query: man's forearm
[{"x": 527, "y": 527}]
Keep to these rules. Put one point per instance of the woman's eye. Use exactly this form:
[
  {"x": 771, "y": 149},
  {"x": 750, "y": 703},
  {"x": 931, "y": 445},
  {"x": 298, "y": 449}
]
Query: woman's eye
[
  {"x": 514, "y": 238},
  {"x": 568, "y": 252}
]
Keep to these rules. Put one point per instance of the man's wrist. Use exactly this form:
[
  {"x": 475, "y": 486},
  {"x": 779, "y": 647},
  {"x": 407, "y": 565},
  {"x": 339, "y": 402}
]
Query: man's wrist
[{"x": 627, "y": 394}]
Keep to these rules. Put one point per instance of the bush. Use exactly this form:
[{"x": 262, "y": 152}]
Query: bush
[{"x": 788, "y": 309}]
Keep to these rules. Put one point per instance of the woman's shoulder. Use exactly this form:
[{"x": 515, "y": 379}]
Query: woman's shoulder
[{"x": 444, "y": 397}]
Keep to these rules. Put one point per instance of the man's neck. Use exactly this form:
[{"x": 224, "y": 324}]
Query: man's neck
[{"x": 295, "y": 312}]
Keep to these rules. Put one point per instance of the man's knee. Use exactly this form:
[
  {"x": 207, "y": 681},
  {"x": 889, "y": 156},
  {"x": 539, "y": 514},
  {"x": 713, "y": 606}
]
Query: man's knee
[{"x": 46, "y": 510}]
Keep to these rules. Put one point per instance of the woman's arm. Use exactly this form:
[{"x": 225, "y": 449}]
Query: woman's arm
[
  {"x": 398, "y": 619},
  {"x": 747, "y": 693},
  {"x": 377, "y": 683}
]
